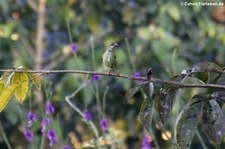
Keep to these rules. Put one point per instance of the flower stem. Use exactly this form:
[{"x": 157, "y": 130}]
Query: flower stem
[
  {"x": 5, "y": 137},
  {"x": 104, "y": 99},
  {"x": 43, "y": 140},
  {"x": 201, "y": 140}
]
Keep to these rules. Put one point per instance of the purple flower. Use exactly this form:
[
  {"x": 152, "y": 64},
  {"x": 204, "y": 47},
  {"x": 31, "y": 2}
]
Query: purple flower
[
  {"x": 66, "y": 147},
  {"x": 31, "y": 118},
  {"x": 87, "y": 115},
  {"x": 52, "y": 137},
  {"x": 29, "y": 135},
  {"x": 104, "y": 124},
  {"x": 95, "y": 77},
  {"x": 49, "y": 108},
  {"x": 146, "y": 143},
  {"x": 137, "y": 74},
  {"x": 44, "y": 123},
  {"x": 73, "y": 47}
]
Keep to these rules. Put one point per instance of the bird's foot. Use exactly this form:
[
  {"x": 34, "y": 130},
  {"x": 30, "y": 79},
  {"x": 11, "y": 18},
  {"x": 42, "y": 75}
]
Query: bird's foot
[
  {"x": 108, "y": 73},
  {"x": 118, "y": 74}
]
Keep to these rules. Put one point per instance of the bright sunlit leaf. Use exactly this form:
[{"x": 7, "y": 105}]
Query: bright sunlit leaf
[
  {"x": 36, "y": 79},
  {"x": 6, "y": 95},
  {"x": 21, "y": 79},
  {"x": 2, "y": 87},
  {"x": 6, "y": 78}
]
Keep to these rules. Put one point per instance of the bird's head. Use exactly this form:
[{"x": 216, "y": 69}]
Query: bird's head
[{"x": 112, "y": 46}]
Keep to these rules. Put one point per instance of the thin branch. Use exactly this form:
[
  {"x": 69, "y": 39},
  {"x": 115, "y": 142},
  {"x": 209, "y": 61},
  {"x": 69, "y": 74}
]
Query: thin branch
[
  {"x": 5, "y": 137},
  {"x": 58, "y": 61},
  {"x": 40, "y": 33},
  {"x": 27, "y": 46},
  {"x": 32, "y": 4},
  {"x": 153, "y": 80}
]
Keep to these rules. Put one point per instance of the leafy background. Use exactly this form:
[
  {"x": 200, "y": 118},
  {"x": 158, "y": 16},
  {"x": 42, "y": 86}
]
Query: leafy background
[{"x": 159, "y": 34}]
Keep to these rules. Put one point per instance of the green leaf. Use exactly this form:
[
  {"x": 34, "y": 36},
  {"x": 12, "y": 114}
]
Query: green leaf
[
  {"x": 203, "y": 76},
  {"x": 218, "y": 96},
  {"x": 148, "y": 89},
  {"x": 93, "y": 21},
  {"x": 21, "y": 79},
  {"x": 132, "y": 91},
  {"x": 6, "y": 95},
  {"x": 207, "y": 67},
  {"x": 156, "y": 99},
  {"x": 146, "y": 114},
  {"x": 36, "y": 79},
  {"x": 174, "y": 12},
  {"x": 187, "y": 122},
  {"x": 172, "y": 87},
  {"x": 213, "y": 121},
  {"x": 221, "y": 80},
  {"x": 214, "y": 81},
  {"x": 164, "y": 105}
]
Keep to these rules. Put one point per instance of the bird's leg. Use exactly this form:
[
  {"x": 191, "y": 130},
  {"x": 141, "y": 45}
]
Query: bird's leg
[
  {"x": 108, "y": 72},
  {"x": 118, "y": 74}
]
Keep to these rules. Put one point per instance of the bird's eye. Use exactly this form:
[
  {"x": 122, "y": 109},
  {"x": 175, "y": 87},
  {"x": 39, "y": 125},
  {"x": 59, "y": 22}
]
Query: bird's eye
[{"x": 114, "y": 44}]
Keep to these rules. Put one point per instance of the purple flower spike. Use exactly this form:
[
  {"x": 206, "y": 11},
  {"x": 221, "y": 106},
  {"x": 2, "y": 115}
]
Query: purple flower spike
[
  {"x": 137, "y": 74},
  {"x": 66, "y": 147},
  {"x": 44, "y": 123},
  {"x": 87, "y": 115},
  {"x": 29, "y": 135},
  {"x": 52, "y": 137},
  {"x": 73, "y": 47},
  {"x": 146, "y": 143},
  {"x": 95, "y": 77},
  {"x": 31, "y": 118},
  {"x": 104, "y": 124},
  {"x": 49, "y": 108}
]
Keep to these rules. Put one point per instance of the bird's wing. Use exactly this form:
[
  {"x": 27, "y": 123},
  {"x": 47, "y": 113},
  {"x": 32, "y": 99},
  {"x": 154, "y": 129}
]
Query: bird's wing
[
  {"x": 111, "y": 56},
  {"x": 104, "y": 54}
]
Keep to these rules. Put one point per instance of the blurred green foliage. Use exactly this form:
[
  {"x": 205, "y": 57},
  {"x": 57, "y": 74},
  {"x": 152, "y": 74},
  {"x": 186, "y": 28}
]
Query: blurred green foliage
[{"x": 161, "y": 34}]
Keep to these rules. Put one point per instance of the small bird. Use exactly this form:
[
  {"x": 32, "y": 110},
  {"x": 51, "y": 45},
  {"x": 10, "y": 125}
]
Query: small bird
[{"x": 109, "y": 57}]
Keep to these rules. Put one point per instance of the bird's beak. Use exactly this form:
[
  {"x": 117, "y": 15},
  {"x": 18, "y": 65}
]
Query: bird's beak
[{"x": 114, "y": 44}]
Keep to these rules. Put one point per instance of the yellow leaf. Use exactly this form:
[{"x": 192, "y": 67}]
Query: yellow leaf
[
  {"x": 21, "y": 79},
  {"x": 6, "y": 78},
  {"x": 2, "y": 87},
  {"x": 93, "y": 21},
  {"x": 6, "y": 95},
  {"x": 36, "y": 79}
]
